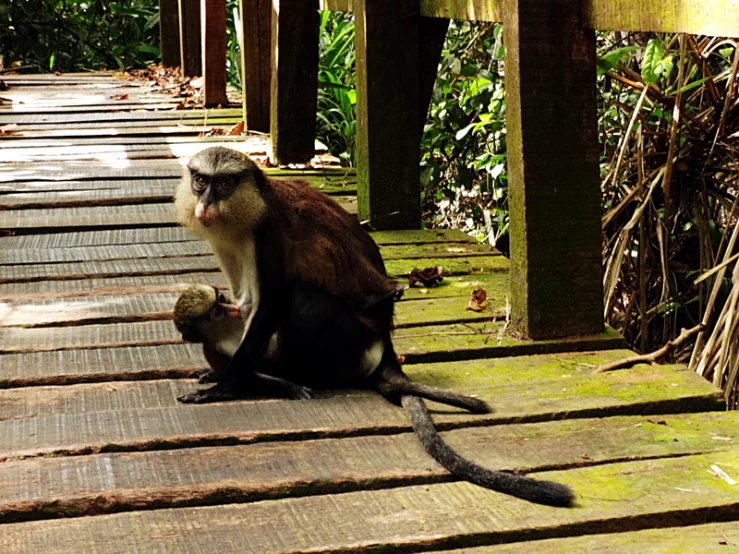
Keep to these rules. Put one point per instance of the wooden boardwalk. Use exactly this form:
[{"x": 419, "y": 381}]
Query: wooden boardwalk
[{"x": 97, "y": 455}]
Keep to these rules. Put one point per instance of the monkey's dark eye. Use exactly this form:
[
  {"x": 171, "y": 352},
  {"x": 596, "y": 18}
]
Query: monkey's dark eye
[
  {"x": 224, "y": 187},
  {"x": 217, "y": 313},
  {"x": 199, "y": 184}
]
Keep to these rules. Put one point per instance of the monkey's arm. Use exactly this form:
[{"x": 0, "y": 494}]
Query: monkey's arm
[{"x": 242, "y": 376}]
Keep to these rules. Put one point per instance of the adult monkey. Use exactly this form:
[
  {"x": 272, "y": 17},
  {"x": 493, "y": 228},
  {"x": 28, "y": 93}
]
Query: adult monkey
[{"x": 312, "y": 275}]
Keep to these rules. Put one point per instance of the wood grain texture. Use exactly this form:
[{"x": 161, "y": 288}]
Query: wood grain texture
[
  {"x": 256, "y": 62},
  {"x": 388, "y": 113},
  {"x": 442, "y": 515},
  {"x": 190, "y": 38},
  {"x": 146, "y": 419},
  {"x": 169, "y": 32},
  {"x": 213, "y": 40},
  {"x": 716, "y": 17},
  {"x": 105, "y": 483},
  {"x": 294, "y": 81},
  {"x": 553, "y": 168}
]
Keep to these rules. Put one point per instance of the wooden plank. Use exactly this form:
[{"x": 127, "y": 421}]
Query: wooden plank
[
  {"x": 175, "y": 234},
  {"x": 147, "y": 307},
  {"x": 117, "y": 482},
  {"x": 256, "y": 62},
  {"x": 213, "y": 38},
  {"x": 387, "y": 141},
  {"x": 70, "y": 218},
  {"x": 173, "y": 361},
  {"x": 545, "y": 391},
  {"x": 294, "y": 80},
  {"x": 137, "y": 215},
  {"x": 190, "y": 38},
  {"x": 711, "y": 538},
  {"x": 86, "y": 198},
  {"x": 97, "y": 238},
  {"x": 201, "y": 248},
  {"x": 716, "y": 18},
  {"x": 473, "y": 10},
  {"x": 556, "y": 271},
  {"x": 163, "y": 266},
  {"x": 76, "y": 194},
  {"x": 169, "y": 32},
  {"x": 459, "y": 286},
  {"x": 147, "y": 333},
  {"x": 144, "y": 124},
  {"x": 122, "y": 141},
  {"x": 404, "y": 519},
  {"x": 140, "y": 341},
  {"x": 122, "y": 116},
  {"x": 18, "y": 189},
  {"x": 193, "y": 127}
]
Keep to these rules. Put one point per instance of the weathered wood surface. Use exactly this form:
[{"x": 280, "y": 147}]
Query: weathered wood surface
[
  {"x": 555, "y": 261},
  {"x": 91, "y": 367},
  {"x": 700, "y": 17}
]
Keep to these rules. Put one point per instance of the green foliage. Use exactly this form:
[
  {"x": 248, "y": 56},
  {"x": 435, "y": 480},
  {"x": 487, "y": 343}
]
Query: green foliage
[
  {"x": 73, "y": 35},
  {"x": 463, "y": 167},
  {"x": 336, "y": 125}
]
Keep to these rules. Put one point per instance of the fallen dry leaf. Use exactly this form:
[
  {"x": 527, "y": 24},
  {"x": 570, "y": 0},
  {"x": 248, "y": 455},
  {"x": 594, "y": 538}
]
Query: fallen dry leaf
[
  {"x": 477, "y": 300},
  {"x": 429, "y": 277},
  {"x": 236, "y": 130},
  {"x": 4, "y": 85},
  {"x": 119, "y": 97}
]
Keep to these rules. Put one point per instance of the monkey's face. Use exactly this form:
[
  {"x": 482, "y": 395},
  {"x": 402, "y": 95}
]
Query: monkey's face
[
  {"x": 204, "y": 314},
  {"x": 220, "y": 193}
]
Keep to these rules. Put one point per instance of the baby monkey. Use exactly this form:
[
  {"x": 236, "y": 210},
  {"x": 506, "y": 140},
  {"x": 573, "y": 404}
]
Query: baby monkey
[{"x": 205, "y": 315}]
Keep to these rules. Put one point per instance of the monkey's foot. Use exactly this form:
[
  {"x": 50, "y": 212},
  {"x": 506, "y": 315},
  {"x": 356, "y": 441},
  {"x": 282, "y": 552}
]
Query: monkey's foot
[
  {"x": 301, "y": 393},
  {"x": 223, "y": 394},
  {"x": 205, "y": 396}
]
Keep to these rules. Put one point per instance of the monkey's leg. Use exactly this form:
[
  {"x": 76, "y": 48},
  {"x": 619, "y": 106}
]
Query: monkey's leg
[{"x": 245, "y": 375}]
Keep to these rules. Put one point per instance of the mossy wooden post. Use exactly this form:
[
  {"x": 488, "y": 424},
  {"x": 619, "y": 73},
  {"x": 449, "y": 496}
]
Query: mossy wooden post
[
  {"x": 190, "y": 49},
  {"x": 294, "y": 83},
  {"x": 213, "y": 29},
  {"x": 256, "y": 68},
  {"x": 169, "y": 32},
  {"x": 432, "y": 33},
  {"x": 388, "y": 114},
  {"x": 554, "y": 186}
]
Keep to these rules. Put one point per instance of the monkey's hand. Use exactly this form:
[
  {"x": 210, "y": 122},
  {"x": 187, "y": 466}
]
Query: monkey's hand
[{"x": 256, "y": 384}]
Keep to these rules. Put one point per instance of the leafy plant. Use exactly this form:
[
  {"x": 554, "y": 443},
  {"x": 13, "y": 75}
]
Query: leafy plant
[
  {"x": 337, "y": 97},
  {"x": 72, "y": 35}
]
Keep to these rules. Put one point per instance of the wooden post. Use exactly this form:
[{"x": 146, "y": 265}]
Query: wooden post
[
  {"x": 432, "y": 33},
  {"x": 190, "y": 49},
  {"x": 256, "y": 62},
  {"x": 213, "y": 29},
  {"x": 294, "y": 83},
  {"x": 388, "y": 113},
  {"x": 554, "y": 184},
  {"x": 169, "y": 32}
]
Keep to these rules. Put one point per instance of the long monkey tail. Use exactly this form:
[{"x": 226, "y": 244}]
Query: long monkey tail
[{"x": 541, "y": 492}]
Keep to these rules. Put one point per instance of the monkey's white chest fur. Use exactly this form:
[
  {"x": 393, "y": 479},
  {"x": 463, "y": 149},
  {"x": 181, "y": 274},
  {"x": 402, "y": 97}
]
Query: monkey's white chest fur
[{"x": 238, "y": 262}]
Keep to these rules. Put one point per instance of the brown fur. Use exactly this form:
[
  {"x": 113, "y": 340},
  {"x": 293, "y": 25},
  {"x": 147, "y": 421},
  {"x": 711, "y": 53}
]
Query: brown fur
[{"x": 314, "y": 227}]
